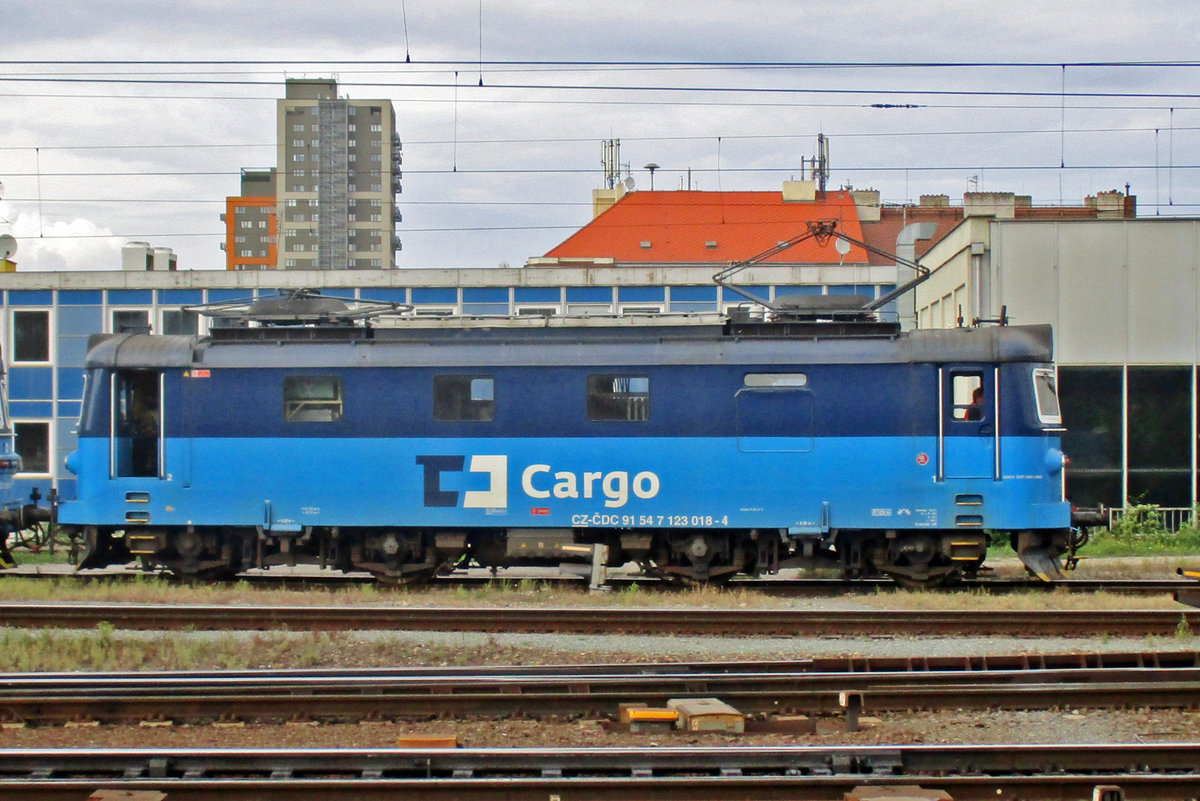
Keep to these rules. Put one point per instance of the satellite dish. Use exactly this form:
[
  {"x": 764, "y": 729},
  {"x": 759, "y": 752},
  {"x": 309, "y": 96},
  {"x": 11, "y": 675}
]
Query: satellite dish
[
  {"x": 8, "y": 246},
  {"x": 842, "y": 246},
  {"x": 629, "y": 184}
]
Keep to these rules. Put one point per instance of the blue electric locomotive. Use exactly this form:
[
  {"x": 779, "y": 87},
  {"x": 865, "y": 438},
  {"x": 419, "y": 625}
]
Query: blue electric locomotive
[{"x": 699, "y": 450}]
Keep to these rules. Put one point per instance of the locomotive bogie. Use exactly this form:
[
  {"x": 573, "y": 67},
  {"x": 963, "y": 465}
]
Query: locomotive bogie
[{"x": 696, "y": 454}]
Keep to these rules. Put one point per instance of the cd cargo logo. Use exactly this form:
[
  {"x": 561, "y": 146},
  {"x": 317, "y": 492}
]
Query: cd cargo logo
[{"x": 538, "y": 481}]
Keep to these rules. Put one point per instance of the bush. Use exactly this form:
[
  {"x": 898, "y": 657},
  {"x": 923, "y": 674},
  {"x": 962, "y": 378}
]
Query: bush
[{"x": 1140, "y": 531}]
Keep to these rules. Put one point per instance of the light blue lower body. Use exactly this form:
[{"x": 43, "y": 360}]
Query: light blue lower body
[{"x": 835, "y": 483}]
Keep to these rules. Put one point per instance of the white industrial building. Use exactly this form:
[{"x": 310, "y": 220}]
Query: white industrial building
[{"x": 1124, "y": 299}]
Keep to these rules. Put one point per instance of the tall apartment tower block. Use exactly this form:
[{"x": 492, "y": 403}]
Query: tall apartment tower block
[
  {"x": 333, "y": 200},
  {"x": 251, "y": 227}
]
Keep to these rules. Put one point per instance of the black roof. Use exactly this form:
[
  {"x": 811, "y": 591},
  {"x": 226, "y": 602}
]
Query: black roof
[{"x": 568, "y": 345}]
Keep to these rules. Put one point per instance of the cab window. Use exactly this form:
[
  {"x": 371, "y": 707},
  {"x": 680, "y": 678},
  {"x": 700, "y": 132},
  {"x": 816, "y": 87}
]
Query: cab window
[
  {"x": 1045, "y": 386},
  {"x": 967, "y": 395}
]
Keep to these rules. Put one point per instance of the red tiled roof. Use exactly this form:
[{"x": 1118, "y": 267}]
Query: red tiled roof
[
  {"x": 680, "y": 225},
  {"x": 883, "y": 233}
]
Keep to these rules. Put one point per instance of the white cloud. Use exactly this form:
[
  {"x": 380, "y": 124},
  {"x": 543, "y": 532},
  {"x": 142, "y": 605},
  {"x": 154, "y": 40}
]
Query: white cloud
[
  {"x": 155, "y": 162},
  {"x": 44, "y": 245}
]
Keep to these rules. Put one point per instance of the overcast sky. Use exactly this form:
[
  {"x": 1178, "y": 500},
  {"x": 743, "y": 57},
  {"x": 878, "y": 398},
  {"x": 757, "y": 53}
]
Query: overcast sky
[{"x": 93, "y": 155}]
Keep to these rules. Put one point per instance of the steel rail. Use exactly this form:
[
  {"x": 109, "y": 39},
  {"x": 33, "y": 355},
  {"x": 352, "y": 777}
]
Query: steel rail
[
  {"x": 641, "y": 620},
  {"x": 135, "y": 685},
  {"x": 337, "y": 698},
  {"x": 1146, "y": 771},
  {"x": 815, "y": 664}
]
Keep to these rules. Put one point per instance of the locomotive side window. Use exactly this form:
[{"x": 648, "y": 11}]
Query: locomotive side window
[
  {"x": 464, "y": 397},
  {"x": 967, "y": 389},
  {"x": 312, "y": 399},
  {"x": 1046, "y": 388},
  {"x": 618, "y": 397}
]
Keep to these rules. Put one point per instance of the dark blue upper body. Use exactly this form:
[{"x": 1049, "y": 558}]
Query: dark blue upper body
[{"x": 750, "y": 431}]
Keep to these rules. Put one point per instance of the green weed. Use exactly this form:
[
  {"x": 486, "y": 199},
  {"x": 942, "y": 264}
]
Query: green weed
[{"x": 1140, "y": 532}]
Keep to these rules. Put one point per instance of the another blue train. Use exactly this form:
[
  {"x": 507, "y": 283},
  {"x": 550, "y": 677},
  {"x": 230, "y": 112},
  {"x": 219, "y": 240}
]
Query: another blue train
[{"x": 701, "y": 451}]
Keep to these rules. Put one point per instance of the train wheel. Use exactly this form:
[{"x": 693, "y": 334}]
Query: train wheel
[
  {"x": 197, "y": 556},
  {"x": 912, "y": 560},
  {"x": 681, "y": 576},
  {"x": 386, "y": 579},
  {"x": 928, "y": 583},
  {"x": 397, "y": 557},
  {"x": 697, "y": 558}
]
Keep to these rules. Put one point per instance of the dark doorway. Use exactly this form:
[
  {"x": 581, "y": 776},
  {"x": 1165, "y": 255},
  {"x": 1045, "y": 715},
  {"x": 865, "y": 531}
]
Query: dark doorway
[{"x": 137, "y": 423}]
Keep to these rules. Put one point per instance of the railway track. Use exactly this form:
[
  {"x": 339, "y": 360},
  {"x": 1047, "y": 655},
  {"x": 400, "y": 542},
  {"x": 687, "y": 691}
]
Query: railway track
[
  {"x": 801, "y": 773},
  {"x": 604, "y": 620},
  {"x": 776, "y": 586},
  {"x": 753, "y": 688}
]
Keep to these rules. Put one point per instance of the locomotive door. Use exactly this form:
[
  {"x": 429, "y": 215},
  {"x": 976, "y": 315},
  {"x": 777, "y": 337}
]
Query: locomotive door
[
  {"x": 774, "y": 418},
  {"x": 967, "y": 433},
  {"x": 137, "y": 441}
]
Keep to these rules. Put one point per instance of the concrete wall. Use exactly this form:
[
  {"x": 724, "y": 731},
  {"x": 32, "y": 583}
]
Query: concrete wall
[
  {"x": 1116, "y": 291},
  {"x": 1124, "y": 299},
  {"x": 957, "y": 261}
]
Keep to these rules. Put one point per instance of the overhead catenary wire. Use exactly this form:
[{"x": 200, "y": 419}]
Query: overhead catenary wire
[
  {"x": 576, "y": 87},
  {"x": 997, "y": 87},
  {"x": 576, "y": 139},
  {"x": 995, "y": 105},
  {"x": 710, "y": 64},
  {"x": 783, "y": 168}
]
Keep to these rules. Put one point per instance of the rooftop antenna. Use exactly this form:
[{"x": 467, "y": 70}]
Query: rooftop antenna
[
  {"x": 8, "y": 247},
  {"x": 404, "y": 16},
  {"x": 822, "y": 162},
  {"x": 481, "y": 42},
  {"x": 816, "y": 169},
  {"x": 651, "y": 167},
  {"x": 610, "y": 158}
]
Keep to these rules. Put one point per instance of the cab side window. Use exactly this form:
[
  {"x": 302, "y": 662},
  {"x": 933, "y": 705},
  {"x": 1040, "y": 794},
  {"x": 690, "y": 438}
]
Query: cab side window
[
  {"x": 1045, "y": 385},
  {"x": 967, "y": 395}
]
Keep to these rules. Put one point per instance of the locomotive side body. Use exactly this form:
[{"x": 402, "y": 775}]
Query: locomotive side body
[{"x": 698, "y": 451}]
